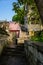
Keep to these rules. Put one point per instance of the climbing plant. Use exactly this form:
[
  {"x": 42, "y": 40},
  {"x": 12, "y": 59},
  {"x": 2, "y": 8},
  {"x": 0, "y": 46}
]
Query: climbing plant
[{"x": 34, "y": 16}]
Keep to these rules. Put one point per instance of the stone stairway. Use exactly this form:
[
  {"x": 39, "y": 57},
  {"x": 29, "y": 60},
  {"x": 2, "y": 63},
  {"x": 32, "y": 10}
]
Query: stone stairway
[{"x": 13, "y": 56}]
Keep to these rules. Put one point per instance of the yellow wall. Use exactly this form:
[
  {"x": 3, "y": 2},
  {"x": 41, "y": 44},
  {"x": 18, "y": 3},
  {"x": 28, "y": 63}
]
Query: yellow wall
[{"x": 31, "y": 33}]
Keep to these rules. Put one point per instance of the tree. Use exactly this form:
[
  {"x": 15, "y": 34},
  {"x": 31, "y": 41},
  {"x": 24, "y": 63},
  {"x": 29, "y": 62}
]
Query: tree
[
  {"x": 15, "y": 18},
  {"x": 19, "y": 10},
  {"x": 18, "y": 7},
  {"x": 34, "y": 15}
]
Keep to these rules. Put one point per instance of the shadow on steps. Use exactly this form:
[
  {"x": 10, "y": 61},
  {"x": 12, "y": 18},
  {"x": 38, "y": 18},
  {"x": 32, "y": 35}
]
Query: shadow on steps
[{"x": 13, "y": 56}]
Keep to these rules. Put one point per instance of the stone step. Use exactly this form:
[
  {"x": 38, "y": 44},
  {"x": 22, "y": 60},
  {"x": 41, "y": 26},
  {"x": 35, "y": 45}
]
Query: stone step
[
  {"x": 13, "y": 51},
  {"x": 13, "y": 60},
  {"x": 13, "y": 56}
]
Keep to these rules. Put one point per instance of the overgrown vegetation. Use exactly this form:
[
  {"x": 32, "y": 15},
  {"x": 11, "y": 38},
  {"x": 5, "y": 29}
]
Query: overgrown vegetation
[
  {"x": 38, "y": 36},
  {"x": 32, "y": 14},
  {"x": 19, "y": 10},
  {"x": 19, "y": 6}
]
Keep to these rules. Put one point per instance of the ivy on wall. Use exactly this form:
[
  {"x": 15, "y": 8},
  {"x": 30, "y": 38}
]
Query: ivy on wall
[{"x": 34, "y": 16}]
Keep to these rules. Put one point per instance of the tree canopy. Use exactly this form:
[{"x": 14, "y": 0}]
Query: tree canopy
[
  {"x": 19, "y": 10},
  {"x": 18, "y": 7}
]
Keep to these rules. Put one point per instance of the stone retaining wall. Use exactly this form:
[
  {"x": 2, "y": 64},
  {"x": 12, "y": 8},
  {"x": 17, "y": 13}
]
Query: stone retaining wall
[
  {"x": 34, "y": 52},
  {"x": 3, "y": 43}
]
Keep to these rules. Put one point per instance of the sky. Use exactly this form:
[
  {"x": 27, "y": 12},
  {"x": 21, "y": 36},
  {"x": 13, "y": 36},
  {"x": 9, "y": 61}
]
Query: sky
[{"x": 6, "y": 7}]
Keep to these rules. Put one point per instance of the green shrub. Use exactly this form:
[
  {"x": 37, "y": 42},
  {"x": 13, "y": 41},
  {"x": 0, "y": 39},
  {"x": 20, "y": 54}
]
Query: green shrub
[{"x": 37, "y": 38}]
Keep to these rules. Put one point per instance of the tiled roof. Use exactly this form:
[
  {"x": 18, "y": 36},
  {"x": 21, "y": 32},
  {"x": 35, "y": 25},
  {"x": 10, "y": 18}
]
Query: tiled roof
[{"x": 14, "y": 26}]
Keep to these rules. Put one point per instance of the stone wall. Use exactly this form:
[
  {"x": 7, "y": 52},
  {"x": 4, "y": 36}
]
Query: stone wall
[
  {"x": 34, "y": 27},
  {"x": 3, "y": 43},
  {"x": 34, "y": 52}
]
